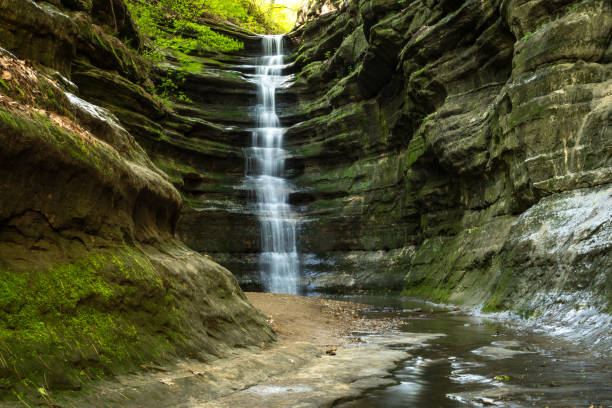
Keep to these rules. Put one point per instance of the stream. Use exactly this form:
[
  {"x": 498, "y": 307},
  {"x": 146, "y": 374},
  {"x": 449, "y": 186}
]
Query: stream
[{"x": 483, "y": 362}]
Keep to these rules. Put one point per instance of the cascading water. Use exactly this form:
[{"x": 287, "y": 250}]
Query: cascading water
[{"x": 278, "y": 262}]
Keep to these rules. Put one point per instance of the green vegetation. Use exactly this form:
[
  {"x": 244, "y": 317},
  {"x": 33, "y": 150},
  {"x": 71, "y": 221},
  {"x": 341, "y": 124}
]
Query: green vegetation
[
  {"x": 530, "y": 34},
  {"x": 76, "y": 322},
  {"x": 502, "y": 288},
  {"x": 185, "y": 25},
  {"x": 572, "y": 8},
  {"x": 184, "y": 28},
  {"x": 175, "y": 25},
  {"x": 168, "y": 88},
  {"x": 175, "y": 171},
  {"x": 39, "y": 127}
]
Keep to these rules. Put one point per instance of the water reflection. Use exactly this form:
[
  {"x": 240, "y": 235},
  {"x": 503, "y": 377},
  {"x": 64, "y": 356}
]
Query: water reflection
[{"x": 482, "y": 362}]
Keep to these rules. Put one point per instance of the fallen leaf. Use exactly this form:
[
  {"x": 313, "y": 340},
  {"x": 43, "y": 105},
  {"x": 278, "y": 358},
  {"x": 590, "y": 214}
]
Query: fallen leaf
[{"x": 167, "y": 381}]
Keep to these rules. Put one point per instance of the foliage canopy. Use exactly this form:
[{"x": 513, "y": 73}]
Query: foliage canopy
[
  {"x": 181, "y": 24},
  {"x": 184, "y": 27}
]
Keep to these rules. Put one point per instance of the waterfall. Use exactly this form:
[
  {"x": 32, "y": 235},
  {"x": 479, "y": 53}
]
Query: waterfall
[{"x": 278, "y": 263}]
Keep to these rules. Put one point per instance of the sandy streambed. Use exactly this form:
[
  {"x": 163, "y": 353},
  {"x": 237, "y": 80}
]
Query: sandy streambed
[{"x": 315, "y": 363}]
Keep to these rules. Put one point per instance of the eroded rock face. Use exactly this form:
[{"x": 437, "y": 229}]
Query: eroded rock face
[
  {"x": 93, "y": 280},
  {"x": 433, "y": 136},
  {"x": 199, "y": 145}
]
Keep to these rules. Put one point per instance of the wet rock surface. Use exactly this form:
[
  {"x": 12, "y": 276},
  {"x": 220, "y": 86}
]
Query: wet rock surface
[
  {"x": 379, "y": 352},
  {"x": 485, "y": 360},
  {"x": 442, "y": 147},
  {"x": 346, "y": 374}
]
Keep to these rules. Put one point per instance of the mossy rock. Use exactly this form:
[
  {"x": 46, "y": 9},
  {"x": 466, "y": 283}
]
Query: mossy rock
[{"x": 111, "y": 311}]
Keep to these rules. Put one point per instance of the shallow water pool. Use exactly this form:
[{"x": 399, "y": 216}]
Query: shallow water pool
[{"x": 481, "y": 362}]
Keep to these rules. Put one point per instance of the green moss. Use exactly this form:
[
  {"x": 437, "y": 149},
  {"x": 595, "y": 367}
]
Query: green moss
[
  {"x": 502, "y": 288},
  {"x": 4, "y": 85},
  {"x": 416, "y": 149},
  {"x": 572, "y": 8},
  {"x": 417, "y": 73},
  {"x": 427, "y": 289},
  {"x": 461, "y": 268},
  {"x": 311, "y": 149},
  {"x": 70, "y": 145},
  {"x": 83, "y": 320},
  {"x": 174, "y": 170},
  {"x": 6, "y": 119}
]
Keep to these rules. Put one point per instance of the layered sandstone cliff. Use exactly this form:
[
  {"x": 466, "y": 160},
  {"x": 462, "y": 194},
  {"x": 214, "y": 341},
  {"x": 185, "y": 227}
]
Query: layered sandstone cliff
[{"x": 457, "y": 150}]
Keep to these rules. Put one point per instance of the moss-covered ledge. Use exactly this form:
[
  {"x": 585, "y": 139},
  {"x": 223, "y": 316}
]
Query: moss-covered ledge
[{"x": 113, "y": 310}]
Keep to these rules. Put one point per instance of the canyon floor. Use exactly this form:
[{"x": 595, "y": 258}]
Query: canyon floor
[
  {"x": 316, "y": 362},
  {"x": 337, "y": 353}
]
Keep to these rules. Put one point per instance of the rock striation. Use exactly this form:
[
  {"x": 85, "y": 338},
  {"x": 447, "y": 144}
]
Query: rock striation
[{"x": 457, "y": 150}]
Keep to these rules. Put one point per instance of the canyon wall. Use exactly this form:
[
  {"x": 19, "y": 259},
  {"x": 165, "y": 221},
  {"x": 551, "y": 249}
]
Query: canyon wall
[
  {"x": 93, "y": 279},
  {"x": 456, "y": 150}
]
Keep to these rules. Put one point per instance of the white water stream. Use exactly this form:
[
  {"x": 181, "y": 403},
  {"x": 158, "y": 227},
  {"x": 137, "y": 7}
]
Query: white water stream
[{"x": 278, "y": 263}]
